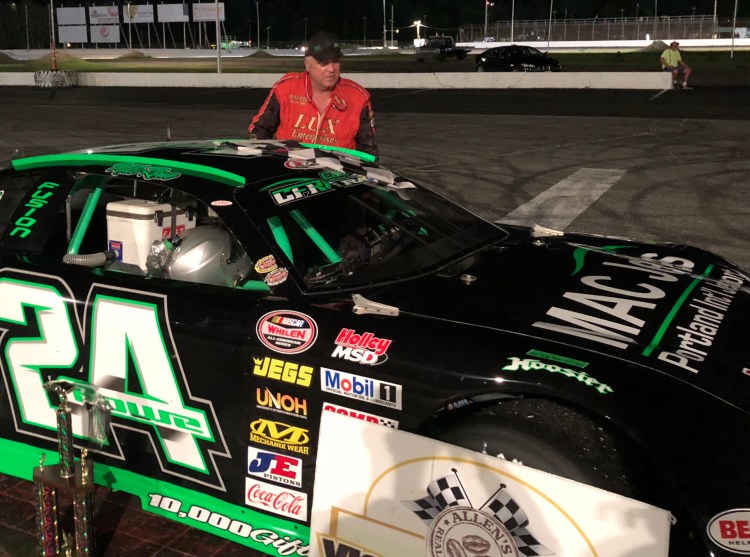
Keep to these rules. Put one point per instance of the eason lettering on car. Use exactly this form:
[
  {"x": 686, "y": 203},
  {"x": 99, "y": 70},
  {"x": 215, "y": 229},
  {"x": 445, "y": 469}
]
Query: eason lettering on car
[
  {"x": 616, "y": 298},
  {"x": 276, "y": 499},
  {"x": 359, "y": 415},
  {"x": 363, "y": 348},
  {"x": 288, "y": 332},
  {"x": 360, "y": 388},
  {"x": 731, "y": 530},
  {"x": 276, "y": 467},
  {"x": 43, "y": 332}
]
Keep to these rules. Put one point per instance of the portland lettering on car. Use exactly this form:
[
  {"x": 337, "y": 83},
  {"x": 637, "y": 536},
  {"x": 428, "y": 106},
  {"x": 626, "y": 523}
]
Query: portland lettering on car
[{"x": 613, "y": 309}]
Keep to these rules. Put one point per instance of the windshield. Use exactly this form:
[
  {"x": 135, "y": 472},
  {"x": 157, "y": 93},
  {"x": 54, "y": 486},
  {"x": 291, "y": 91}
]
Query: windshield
[{"x": 339, "y": 231}]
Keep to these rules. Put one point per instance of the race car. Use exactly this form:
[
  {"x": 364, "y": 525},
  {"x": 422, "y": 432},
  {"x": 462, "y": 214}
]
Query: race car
[{"x": 219, "y": 296}]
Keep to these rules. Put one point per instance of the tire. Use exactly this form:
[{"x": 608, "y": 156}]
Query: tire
[{"x": 550, "y": 437}]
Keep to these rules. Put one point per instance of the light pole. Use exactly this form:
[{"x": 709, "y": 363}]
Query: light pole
[
  {"x": 512, "y": 17},
  {"x": 26, "y": 8},
  {"x": 622, "y": 16},
  {"x": 268, "y": 38},
  {"x": 305, "y": 31},
  {"x": 364, "y": 30},
  {"x": 693, "y": 16},
  {"x": 487, "y": 5},
  {"x": 257, "y": 18},
  {"x": 385, "y": 27},
  {"x": 549, "y": 30},
  {"x": 417, "y": 24},
  {"x": 656, "y": 17}
]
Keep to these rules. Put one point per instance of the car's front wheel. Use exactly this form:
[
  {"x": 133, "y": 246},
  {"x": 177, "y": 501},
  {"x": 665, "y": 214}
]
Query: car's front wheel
[{"x": 551, "y": 437}]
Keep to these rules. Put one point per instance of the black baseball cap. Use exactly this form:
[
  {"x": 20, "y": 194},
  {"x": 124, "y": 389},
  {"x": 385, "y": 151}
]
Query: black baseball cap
[{"x": 323, "y": 46}]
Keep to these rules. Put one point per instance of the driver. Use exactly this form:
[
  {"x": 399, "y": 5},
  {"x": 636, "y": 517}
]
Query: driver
[{"x": 318, "y": 105}]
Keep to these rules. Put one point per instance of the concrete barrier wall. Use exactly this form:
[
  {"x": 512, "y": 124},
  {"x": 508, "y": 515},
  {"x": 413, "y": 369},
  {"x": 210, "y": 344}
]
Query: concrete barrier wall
[{"x": 459, "y": 80}]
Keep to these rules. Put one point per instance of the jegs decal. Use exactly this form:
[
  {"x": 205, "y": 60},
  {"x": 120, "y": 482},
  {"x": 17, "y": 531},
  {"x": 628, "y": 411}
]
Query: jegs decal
[{"x": 43, "y": 338}]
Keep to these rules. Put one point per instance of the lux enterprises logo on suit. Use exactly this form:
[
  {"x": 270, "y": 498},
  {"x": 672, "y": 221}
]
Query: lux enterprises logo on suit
[
  {"x": 370, "y": 390},
  {"x": 274, "y": 466}
]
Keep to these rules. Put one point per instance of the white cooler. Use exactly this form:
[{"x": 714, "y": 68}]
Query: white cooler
[{"x": 134, "y": 224}]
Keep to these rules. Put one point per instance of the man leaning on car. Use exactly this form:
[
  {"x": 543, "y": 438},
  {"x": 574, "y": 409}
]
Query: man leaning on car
[{"x": 318, "y": 105}]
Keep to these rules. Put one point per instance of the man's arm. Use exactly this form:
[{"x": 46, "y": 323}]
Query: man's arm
[
  {"x": 266, "y": 122},
  {"x": 366, "y": 140}
]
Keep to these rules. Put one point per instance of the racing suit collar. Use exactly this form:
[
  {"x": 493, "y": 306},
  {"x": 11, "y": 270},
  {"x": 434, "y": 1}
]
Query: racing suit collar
[{"x": 337, "y": 100}]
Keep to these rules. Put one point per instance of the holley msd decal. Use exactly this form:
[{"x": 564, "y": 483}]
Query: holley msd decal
[{"x": 364, "y": 348}]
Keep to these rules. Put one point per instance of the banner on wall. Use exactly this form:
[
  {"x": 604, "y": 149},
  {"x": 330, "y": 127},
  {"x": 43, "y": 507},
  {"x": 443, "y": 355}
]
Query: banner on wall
[{"x": 381, "y": 492}]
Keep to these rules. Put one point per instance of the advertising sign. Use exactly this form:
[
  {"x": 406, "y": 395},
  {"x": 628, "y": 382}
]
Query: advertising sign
[
  {"x": 132, "y": 13},
  {"x": 105, "y": 33},
  {"x": 102, "y": 15},
  {"x": 71, "y": 16},
  {"x": 72, "y": 34},
  {"x": 381, "y": 492},
  {"x": 172, "y": 13},
  {"x": 207, "y": 12}
]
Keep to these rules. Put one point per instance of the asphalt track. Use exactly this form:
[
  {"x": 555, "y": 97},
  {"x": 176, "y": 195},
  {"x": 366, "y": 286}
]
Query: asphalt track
[{"x": 678, "y": 163}]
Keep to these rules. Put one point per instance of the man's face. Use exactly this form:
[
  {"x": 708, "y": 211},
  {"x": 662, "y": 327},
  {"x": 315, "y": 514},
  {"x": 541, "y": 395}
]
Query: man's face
[
  {"x": 324, "y": 75},
  {"x": 673, "y": 46}
]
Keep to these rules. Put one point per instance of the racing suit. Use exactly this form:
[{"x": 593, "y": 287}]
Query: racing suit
[{"x": 289, "y": 111}]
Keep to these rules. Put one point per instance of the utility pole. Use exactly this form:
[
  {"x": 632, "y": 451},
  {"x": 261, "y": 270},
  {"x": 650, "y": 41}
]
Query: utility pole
[
  {"x": 364, "y": 27},
  {"x": 305, "y": 31},
  {"x": 257, "y": 17},
  {"x": 385, "y": 27}
]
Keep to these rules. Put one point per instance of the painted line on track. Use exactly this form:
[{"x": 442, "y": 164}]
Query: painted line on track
[{"x": 561, "y": 204}]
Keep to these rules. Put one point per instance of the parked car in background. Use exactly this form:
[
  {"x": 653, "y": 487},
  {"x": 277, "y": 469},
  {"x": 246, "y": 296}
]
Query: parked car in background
[{"x": 516, "y": 58}]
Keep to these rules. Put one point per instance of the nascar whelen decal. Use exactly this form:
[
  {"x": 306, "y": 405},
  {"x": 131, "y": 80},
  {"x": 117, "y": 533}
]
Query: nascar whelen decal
[{"x": 288, "y": 332}]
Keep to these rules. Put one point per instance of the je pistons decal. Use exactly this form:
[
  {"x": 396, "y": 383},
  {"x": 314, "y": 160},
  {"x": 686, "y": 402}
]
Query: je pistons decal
[
  {"x": 363, "y": 348},
  {"x": 497, "y": 528},
  {"x": 288, "y": 332},
  {"x": 361, "y": 388},
  {"x": 731, "y": 530},
  {"x": 274, "y": 466}
]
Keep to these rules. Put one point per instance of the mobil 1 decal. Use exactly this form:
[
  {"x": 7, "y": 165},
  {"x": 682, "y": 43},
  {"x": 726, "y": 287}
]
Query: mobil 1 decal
[
  {"x": 664, "y": 307},
  {"x": 122, "y": 348}
]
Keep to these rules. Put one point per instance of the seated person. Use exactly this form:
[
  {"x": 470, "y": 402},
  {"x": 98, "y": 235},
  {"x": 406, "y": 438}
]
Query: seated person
[{"x": 671, "y": 61}]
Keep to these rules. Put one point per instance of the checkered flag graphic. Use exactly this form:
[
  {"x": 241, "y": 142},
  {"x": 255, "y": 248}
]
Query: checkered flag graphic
[
  {"x": 443, "y": 492},
  {"x": 505, "y": 509}
]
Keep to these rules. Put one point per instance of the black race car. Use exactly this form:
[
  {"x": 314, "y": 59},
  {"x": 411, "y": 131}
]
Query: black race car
[
  {"x": 218, "y": 296},
  {"x": 516, "y": 58}
]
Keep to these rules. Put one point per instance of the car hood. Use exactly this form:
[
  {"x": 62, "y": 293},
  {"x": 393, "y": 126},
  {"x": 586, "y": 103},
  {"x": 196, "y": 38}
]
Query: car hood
[{"x": 673, "y": 308}]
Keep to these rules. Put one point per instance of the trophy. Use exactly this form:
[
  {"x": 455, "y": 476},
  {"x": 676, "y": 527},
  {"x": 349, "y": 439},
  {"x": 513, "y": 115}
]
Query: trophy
[{"x": 70, "y": 478}]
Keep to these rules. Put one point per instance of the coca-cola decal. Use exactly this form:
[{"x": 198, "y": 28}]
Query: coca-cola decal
[
  {"x": 288, "y": 332},
  {"x": 275, "y": 499}
]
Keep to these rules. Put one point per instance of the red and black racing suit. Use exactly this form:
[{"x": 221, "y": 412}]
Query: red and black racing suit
[{"x": 289, "y": 111}]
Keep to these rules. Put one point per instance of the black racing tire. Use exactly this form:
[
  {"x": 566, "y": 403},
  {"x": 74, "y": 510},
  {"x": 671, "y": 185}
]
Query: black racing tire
[{"x": 551, "y": 437}]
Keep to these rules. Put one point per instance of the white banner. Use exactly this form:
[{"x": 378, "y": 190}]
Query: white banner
[
  {"x": 132, "y": 13},
  {"x": 71, "y": 16},
  {"x": 172, "y": 13},
  {"x": 207, "y": 12},
  {"x": 72, "y": 34},
  {"x": 100, "y": 15},
  {"x": 105, "y": 33},
  {"x": 383, "y": 492}
]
